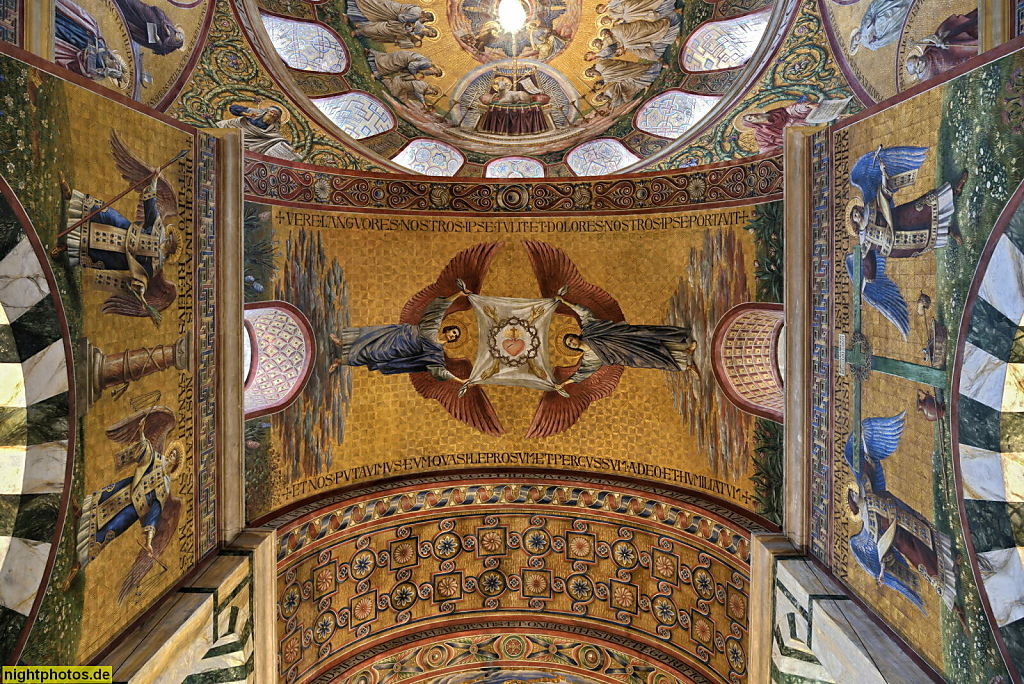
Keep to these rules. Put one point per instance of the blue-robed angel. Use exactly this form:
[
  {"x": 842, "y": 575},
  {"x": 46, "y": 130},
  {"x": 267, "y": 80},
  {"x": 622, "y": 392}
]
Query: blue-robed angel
[
  {"x": 906, "y": 230},
  {"x": 880, "y": 291},
  {"x": 415, "y": 345},
  {"x": 879, "y": 438},
  {"x": 898, "y": 547},
  {"x": 606, "y": 342},
  {"x": 143, "y": 498}
]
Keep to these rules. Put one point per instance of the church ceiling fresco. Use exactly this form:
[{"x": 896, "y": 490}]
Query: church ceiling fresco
[
  {"x": 230, "y": 87},
  {"x": 887, "y": 46},
  {"x": 921, "y": 399},
  {"x": 802, "y": 85},
  {"x": 572, "y": 72},
  {"x": 122, "y": 202},
  {"x": 376, "y": 595},
  {"x": 755, "y": 179},
  {"x": 640, "y": 397},
  {"x": 142, "y": 49}
]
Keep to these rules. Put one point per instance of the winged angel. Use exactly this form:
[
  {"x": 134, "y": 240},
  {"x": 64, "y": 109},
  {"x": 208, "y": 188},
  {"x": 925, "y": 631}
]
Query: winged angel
[
  {"x": 144, "y": 497},
  {"x": 514, "y": 347},
  {"x": 896, "y": 545},
  {"x": 887, "y": 230},
  {"x": 126, "y": 258}
]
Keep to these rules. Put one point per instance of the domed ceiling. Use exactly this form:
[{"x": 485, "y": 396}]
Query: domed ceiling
[{"x": 515, "y": 88}]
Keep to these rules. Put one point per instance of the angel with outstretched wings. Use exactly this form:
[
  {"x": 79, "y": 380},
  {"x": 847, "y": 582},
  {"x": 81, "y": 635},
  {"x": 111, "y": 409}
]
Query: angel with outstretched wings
[
  {"x": 899, "y": 230},
  {"x": 879, "y": 290},
  {"x": 126, "y": 257},
  {"x": 416, "y": 344},
  {"x": 879, "y": 438},
  {"x": 142, "y": 498},
  {"x": 606, "y": 343}
]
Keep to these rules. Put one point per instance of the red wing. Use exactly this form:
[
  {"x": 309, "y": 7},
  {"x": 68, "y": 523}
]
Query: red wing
[
  {"x": 470, "y": 265},
  {"x": 165, "y": 531},
  {"x": 133, "y": 170},
  {"x": 160, "y": 293},
  {"x": 556, "y": 413},
  {"x": 473, "y": 408},
  {"x": 554, "y": 270},
  {"x": 154, "y": 422},
  {"x": 166, "y": 201}
]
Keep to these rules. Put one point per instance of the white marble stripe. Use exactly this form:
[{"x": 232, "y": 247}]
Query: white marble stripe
[
  {"x": 12, "y": 385},
  {"x": 983, "y": 377},
  {"x": 22, "y": 282},
  {"x": 1003, "y": 286},
  {"x": 1013, "y": 477},
  {"x": 23, "y": 566},
  {"x": 12, "y": 469},
  {"x": 46, "y": 374},
  {"x": 36, "y": 469},
  {"x": 1003, "y": 575},
  {"x": 981, "y": 471},
  {"x": 1013, "y": 388},
  {"x": 3, "y": 315}
]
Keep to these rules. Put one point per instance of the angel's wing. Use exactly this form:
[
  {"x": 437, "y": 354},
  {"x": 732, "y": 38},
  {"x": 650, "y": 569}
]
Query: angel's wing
[
  {"x": 154, "y": 423},
  {"x": 160, "y": 293},
  {"x": 865, "y": 550},
  {"x": 473, "y": 408},
  {"x": 563, "y": 24},
  {"x": 883, "y": 294},
  {"x": 866, "y": 174},
  {"x": 879, "y": 439},
  {"x": 555, "y": 270},
  {"x": 144, "y": 562},
  {"x": 134, "y": 170},
  {"x": 470, "y": 265},
  {"x": 556, "y": 413}
]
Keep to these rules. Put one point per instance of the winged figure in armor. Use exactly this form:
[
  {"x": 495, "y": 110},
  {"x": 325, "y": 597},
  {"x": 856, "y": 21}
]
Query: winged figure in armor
[
  {"x": 122, "y": 256},
  {"x": 142, "y": 498}
]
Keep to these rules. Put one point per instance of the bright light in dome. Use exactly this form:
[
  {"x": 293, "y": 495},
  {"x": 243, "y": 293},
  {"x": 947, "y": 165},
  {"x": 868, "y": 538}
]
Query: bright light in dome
[{"x": 511, "y": 15}]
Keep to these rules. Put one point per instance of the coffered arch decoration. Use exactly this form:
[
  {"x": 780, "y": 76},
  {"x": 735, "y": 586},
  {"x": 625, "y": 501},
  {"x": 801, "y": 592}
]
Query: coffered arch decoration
[{"x": 600, "y": 580}]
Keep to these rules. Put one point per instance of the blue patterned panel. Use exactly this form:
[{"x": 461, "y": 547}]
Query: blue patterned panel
[
  {"x": 430, "y": 157},
  {"x": 725, "y": 44},
  {"x": 672, "y": 113},
  {"x": 306, "y": 46},
  {"x": 514, "y": 167},
  {"x": 600, "y": 157},
  {"x": 358, "y": 114},
  {"x": 9, "y": 10}
]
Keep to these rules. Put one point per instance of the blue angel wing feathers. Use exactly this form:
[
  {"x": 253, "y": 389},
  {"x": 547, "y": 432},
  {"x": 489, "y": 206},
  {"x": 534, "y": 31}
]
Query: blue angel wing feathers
[
  {"x": 865, "y": 549},
  {"x": 883, "y": 294},
  {"x": 867, "y": 172},
  {"x": 879, "y": 439}
]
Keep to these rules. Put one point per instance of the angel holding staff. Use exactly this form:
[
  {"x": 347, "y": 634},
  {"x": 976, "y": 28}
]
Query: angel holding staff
[{"x": 123, "y": 256}]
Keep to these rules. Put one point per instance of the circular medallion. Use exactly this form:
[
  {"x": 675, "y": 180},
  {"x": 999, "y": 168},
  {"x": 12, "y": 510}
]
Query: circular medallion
[
  {"x": 363, "y": 564},
  {"x": 447, "y": 546},
  {"x": 703, "y": 583},
  {"x": 536, "y": 541},
  {"x": 624, "y": 554},
  {"x": 492, "y": 583},
  {"x": 580, "y": 587},
  {"x": 403, "y": 595}
]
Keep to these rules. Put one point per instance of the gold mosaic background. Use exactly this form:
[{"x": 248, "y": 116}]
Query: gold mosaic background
[
  {"x": 670, "y": 588},
  {"x": 641, "y": 261}
]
